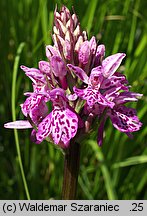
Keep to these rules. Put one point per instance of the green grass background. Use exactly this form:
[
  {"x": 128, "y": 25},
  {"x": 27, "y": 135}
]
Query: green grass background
[{"x": 117, "y": 170}]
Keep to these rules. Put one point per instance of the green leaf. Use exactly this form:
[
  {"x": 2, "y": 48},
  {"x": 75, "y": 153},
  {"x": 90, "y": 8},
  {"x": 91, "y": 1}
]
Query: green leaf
[{"x": 131, "y": 161}]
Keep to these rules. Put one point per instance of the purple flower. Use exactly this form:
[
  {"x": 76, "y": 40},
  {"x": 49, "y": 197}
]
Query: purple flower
[
  {"x": 124, "y": 119},
  {"x": 41, "y": 77},
  {"x": 35, "y": 106},
  {"x": 101, "y": 77},
  {"x": 61, "y": 124},
  {"x": 34, "y": 74}
]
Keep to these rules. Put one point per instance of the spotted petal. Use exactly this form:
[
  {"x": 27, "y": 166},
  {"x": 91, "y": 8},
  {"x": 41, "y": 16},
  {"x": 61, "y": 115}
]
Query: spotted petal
[
  {"x": 60, "y": 124},
  {"x": 44, "y": 128},
  {"x": 80, "y": 92},
  {"x": 34, "y": 74},
  {"x": 112, "y": 93},
  {"x": 113, "y": 81},
  {"x": 124, "y": 119},
  {"x": 64, "y": 127},
  {"x": 36, "y": 107},
  {"x": 111, "y": 63},
  {"x": 125, "y": 97},
  {"x": 79, "y": 73},
  {"x": 93, "y": 96},
  {"x": 41, "y": 89},
  {"x": 44, "y": 67}
]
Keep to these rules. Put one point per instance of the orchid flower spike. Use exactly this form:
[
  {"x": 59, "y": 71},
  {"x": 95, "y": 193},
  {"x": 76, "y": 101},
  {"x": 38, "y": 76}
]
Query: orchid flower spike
[{"x": 80, "y": 84}]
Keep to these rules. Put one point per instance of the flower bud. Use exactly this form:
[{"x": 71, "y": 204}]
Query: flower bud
[
  {"x": 84, "y": 53},
  {"x": 58, "y": 66}
]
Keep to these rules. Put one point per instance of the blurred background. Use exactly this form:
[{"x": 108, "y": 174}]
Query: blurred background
[{"x": 117, "y": 170}]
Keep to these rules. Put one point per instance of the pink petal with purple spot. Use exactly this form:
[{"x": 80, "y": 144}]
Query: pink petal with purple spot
[
  {"x": 44, "y": 128},
  {"x": 111, "y": 63},
  {"x": 125, "y": 97},
  {"x": 70, "y": 126},
  {"x": 124, "y": 119},
  {"x": 97, "y": 71},
  {"x": 113, "y": 81},
  {"x": 80, "y": 121},
  {"x": 35, "y": 107},
  {"x": 44, "y": 67},
  {"x": 34, "y": 74},
  {"x": 20, "y": 124},
  {"x": 61, "y": 124},
  {"x": 112, "y": 93},
  {"x": 80, "y": 92},
  {"x": 79, "y": 72},
  {"x": 41, "y": 89},
  {"x": 93, "y": 96},
  {"x": 56, "y": 122}
]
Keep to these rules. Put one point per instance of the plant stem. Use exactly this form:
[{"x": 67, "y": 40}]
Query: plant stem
[{"x": 71, "y": 170}]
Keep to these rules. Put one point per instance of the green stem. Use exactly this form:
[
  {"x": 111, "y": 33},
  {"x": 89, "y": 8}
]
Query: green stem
[
  {"x": 13, "y": 100},
  {"x": 71, "y": 170}
]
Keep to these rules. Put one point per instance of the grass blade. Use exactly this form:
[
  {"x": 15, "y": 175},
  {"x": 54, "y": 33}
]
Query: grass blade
[
  {"x": 106, "y": 174},
  {"x": 13, "y": 100},
  {"x": 133, "y": 28},
  {"x": 131, "y": 161},
  {"x": 88, "y": 21}
]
